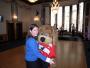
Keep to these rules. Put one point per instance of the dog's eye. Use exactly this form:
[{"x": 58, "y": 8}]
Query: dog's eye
[
  {"x": 42, "y": 33},
  {"x": 46, "y": 34}
]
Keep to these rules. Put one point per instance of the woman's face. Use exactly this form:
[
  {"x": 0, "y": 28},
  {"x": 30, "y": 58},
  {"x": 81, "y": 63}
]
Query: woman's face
[{"x": 34, "y": 31}]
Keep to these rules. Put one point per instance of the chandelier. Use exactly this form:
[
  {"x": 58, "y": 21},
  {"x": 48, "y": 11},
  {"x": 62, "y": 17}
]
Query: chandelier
[
  {"x": 55, "y": 6},
  {"x": 32, "y": 1}
]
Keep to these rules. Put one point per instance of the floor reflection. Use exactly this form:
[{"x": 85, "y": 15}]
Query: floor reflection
[{"x": 70, "y": 54}]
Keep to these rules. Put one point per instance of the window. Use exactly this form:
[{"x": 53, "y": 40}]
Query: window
[
  {"x": 59, "y": 18},
  {"x": 67, "y": 14},
  {"x": 80, "y": 20},
  {"x": 1, "y": 19},
  {"x": 52, "y": 19},
  {"x": 74, "y": 15}
]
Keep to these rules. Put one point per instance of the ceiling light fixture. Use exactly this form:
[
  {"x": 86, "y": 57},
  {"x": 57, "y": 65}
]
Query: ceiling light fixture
[
  {"x": 32, "y": 1},
  {"x": 55, "y": 6}
]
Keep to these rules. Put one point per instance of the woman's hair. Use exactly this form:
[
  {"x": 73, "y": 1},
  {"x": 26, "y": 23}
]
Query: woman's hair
[{"x": 31, "y": 28}]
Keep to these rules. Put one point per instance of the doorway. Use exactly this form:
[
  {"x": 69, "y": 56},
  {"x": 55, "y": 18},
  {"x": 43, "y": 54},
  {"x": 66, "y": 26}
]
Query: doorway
[{"x": 10, "y": 31}]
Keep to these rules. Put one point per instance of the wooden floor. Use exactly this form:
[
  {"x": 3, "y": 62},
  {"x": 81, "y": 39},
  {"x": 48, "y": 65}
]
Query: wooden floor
[{"x": 70, "y": 54}]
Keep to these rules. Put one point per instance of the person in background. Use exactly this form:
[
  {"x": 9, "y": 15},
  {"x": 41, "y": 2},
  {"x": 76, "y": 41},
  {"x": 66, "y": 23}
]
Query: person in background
[
  {"x": 73, "y": 30},
  {"x": 61, "y": 30},
  {"x": 32, "y": 53}
]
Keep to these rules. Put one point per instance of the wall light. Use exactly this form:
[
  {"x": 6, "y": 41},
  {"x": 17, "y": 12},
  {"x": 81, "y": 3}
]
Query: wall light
[
  {"x": 15, "y": 17},
  {"x": 37, "y": 18}
]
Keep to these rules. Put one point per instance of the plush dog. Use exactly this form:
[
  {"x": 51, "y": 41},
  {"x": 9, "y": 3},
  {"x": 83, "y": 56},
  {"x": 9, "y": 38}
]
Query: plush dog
[
  {"x": 46, "y": 41},
  {"x": 46, "y": 47}
]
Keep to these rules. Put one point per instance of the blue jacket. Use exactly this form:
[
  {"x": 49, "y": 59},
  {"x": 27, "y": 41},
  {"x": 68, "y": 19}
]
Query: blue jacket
[{"x": 31, "y": 50}]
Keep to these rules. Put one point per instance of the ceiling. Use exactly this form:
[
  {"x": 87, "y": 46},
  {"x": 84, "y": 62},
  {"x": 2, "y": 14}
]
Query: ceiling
[
  {"x": 44, "y": 1},
  {"x": 41, "y": 1},
  {"x": 27, "y": 2},
  {"x": 38, "y": 2}
]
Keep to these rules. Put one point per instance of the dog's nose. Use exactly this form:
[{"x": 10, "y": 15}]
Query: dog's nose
[{"x": 42, "y": 39}]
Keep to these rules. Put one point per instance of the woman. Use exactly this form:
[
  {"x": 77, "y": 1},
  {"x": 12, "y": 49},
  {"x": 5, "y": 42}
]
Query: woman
[{"x": 32, "y": 53}]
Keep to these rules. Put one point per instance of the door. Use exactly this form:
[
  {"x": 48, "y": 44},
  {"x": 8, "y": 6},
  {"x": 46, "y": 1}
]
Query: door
[
  {"x": 19, "y": 30},
  {"x": 10, "y": 31}
]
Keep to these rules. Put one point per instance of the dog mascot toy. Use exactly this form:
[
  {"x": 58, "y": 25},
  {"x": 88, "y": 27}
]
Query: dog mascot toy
[{"x": 47, "y": 41}]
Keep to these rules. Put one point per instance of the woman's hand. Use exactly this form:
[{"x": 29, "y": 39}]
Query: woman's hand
[
  {"x": 53, "y": 61},
  {"x": 50, "y": 61}
]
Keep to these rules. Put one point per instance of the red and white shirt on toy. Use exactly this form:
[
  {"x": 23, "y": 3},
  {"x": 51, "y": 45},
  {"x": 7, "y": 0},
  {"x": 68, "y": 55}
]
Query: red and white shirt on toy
[{"x": 47, "y": 50}]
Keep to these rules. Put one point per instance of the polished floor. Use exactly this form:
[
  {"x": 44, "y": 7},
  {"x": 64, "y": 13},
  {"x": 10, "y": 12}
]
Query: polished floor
[{"x": 70, "y": 54}]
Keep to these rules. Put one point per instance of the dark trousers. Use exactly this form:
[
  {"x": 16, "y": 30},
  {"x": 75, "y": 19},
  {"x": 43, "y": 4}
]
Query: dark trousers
[
  {"x": 31, "y": 64},
  {"x": 43, "y": 64},
  {"x": 37, "y": 64}
]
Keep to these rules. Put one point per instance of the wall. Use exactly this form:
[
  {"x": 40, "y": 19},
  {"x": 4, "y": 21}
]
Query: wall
[
  {"x": 26, "y": 14},
  {"x": 47, "y": 15},
  {"x": 5, "y": 11},
  {"x": 89, "y": 21}
]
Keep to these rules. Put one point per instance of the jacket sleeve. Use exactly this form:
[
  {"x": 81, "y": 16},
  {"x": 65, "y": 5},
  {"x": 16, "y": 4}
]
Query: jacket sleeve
[{"x": 34, "y": 46}]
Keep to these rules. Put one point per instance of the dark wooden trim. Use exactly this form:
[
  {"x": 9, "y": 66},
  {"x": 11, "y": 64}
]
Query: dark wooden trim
[
  {"x": 56, "y": 20},
  {"x": 50, "y": 15},
  {"x": 63, "y": 15},
  {"x": 70, "y": 19},
  {"x": 43, "y": 15},
  {"x": 24, "y": 34},
  {"x": 77, "y": 18},
  {"x": 3, "y": 37}
]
